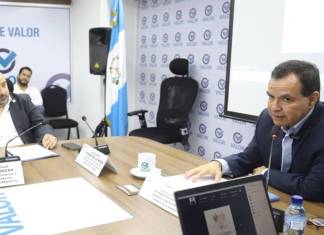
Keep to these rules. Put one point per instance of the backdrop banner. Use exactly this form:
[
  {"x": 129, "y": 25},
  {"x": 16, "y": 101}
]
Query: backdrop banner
[
  {"x": 198, "y": 31},
  {"x": 37, "y": 37}
]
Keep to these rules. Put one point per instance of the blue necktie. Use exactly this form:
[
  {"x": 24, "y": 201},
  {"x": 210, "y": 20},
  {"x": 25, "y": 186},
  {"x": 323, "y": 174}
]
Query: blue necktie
[{"x": 286, "y": 157}]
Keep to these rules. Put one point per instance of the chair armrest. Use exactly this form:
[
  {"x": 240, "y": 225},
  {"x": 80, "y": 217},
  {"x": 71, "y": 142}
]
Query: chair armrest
[{"x": 141, "y": 116}]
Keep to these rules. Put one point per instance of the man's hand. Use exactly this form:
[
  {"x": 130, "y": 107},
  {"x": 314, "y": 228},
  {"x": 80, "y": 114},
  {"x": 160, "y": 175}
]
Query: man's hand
[
  {"x": 213, "y": 168},
  {"x": 259, "y": 170},
  {"x": 49, "y": 141}
]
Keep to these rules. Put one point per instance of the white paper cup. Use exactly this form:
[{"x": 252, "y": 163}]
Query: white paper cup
[{"x": 146, "y": 161}]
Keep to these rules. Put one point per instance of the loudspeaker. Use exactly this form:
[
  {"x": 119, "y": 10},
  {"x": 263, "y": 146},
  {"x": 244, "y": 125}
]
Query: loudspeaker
[{"x": 99, "y": 40}]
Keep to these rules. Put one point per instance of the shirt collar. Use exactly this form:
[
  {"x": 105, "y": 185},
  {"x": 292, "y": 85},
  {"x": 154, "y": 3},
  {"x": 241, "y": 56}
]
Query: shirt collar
[{"x": 295, "y": 128}]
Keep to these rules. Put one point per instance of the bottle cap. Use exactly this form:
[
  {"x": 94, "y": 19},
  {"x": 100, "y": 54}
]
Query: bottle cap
[{"x": 296, "y": 199}]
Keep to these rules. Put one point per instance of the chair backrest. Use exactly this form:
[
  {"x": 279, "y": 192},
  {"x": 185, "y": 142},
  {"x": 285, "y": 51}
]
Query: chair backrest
[
  {"x": 177, "y": 95},
  {"x": 54, "y": 101},
  {"x": 10, "y": 85}
]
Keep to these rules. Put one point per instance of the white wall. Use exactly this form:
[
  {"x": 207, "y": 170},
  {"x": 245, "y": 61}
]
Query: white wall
[{"x": 87, "y": 89}]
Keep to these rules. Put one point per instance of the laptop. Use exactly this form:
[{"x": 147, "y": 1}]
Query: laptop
[{"x": 235, "y": 207}]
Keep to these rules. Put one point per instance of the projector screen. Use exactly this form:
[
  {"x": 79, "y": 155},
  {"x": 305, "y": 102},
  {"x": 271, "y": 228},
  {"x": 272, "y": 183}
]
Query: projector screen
[{"x": 263, "y": 34}]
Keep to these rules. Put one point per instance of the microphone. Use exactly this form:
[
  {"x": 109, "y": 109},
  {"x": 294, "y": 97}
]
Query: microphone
[
  {"x": 103, "y": 147},
  {"x": 275, "y": 131},
  {"x": 22, "y": 133}
]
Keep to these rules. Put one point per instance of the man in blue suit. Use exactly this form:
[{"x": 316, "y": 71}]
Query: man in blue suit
[{"x": 297, "y": 165}]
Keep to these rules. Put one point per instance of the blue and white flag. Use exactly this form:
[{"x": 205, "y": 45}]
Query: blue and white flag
[{"x": 116, "y": 86}]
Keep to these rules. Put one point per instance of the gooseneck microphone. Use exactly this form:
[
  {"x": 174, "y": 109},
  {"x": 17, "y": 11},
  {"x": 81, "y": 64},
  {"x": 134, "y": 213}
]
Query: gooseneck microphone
[
  {"x": 22, "y": 133},
  {"x": 103, "y": 147},
  {"x": 84, "y": 118},
  {"x": 275, "y": 131}
]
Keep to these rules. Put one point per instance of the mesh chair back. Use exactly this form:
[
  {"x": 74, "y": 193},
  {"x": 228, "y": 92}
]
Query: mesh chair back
[{"x": 54, "y": 101}]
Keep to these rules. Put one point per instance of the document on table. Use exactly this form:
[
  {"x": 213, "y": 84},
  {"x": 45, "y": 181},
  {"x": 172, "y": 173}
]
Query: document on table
[
  {"x": 56, "y": 207},
  {"x": 160, "y": 189},
  {"x": 31, "y": 152}
]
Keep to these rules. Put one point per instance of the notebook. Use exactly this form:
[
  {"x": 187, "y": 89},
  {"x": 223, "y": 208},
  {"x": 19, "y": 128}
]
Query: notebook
[{"x": 240, "y": 206}]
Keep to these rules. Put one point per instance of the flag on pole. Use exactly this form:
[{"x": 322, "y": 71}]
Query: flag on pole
[{"x": 116, "y": 86}]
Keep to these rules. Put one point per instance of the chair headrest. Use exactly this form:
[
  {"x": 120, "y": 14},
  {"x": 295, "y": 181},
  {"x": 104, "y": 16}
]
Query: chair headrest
[{"x": 179, "y": 66}]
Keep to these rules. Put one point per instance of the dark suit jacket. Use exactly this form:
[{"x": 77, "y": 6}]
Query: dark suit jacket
[
  {"x": 25, "y": 114},
  {"x": 306, "y": 174}
]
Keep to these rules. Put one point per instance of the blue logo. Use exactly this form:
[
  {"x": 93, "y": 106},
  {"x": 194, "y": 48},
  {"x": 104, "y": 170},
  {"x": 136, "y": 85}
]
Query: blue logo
[
  {"x": 219, "y": 133},
  {"x": 143, "y": 39},
  {"x": 154, "y": 19},
  {"x": 192, "y": 13},
  {"x": 152, "y": 96},
  {"x": 206, "y": 59},
  {"x": 208, "y": 10},
  {"x": 191, "y": 58},
  {"x": 153, "y": 58},
  {"x": 142, "y": 95},
  {"x": 151, "y": 115},
  {"x": 165, "y": 38},
  {"x": 191, "y": 36},
  {"x": 177, "y": 37},
  {"x": 207, "y": 34},
  {"x": 221, "y": 84},
  {"x": 201, "y": 151},
  {"x": 152, "y": 77},
  {"x": 224, "y": 33},
  {"x": 237, "y": 137},
  {"x": 144, "y": 20},
  {"x": 7, "y": 60},
  {"x": 222, "y": 59},
  {"x": 166, "y": 16},
  {"x": 220, "y": 109},
  {"x": 142, "y": 77},
  {"x": 154, "y": 38},
  {"x": 204, "y": 82},
  {"x": 217, "y": 155},
  {"x": 226, "y": 7},
  {"x": 202, "y": 128},
  {"x": 203, "y": 105},
  {"x": 178, "y": 14},
  {"x": 143, "y": 59},
  {"x": 164, "y": 58}
]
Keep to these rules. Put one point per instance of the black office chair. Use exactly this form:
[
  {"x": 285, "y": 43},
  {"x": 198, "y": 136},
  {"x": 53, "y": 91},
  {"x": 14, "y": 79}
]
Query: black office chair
[
  {"x": 55, "y": 105},
  {"x": 177, "y": 95}
]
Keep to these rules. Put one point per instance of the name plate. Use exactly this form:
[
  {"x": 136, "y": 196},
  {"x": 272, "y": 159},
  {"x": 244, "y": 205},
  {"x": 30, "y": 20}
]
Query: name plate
[
  {"x": 91, "y": 159},
  {"x": 11, "y": 172}
]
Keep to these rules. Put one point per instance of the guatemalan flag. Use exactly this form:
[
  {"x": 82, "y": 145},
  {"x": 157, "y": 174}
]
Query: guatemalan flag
[{"x": 116, "y": 86}]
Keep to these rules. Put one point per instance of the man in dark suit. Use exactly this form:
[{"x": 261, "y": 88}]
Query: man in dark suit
[
  {"x": 297, "y": 165},
  {"x": 18, "y": 113}
]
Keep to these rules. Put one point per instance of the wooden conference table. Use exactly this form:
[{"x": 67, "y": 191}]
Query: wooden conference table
[{"x": 148, "y": 218}]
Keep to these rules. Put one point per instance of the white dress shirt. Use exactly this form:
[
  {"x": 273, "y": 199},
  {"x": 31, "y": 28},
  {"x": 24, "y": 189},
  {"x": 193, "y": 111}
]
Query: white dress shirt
[
  {"x": 7, "y": 128},
  {"x": 33, "y": 92}
]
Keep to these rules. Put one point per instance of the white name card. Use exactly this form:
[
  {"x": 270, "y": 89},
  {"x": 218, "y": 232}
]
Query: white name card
[
  {"x": 91, "y": 159},
  {"x": 11, "y": 172}
]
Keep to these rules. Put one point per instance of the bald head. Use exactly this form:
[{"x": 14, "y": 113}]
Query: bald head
[{"x": 4, "y": 92}]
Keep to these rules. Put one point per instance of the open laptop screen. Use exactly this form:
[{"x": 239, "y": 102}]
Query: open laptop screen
[{"x": 239, "y": 206}]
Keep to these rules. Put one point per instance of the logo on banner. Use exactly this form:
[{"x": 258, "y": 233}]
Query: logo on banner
[
  {"x": 154, "y": 21},
  {"x": 237, "y": 138},
  {"x": 153, "y": 40},
  {"x": 222, "y": 60},
  {"x": 178, "y": 17},
  {"x": 202, "y": 131},
  {"x": 203, "y": 109},
  {"x": 177, "y": 38},
  {"x": 7, "y": 60},
  {"x": 192, "y": 15},
  {"x": 206, "y": 62},
  {"x": 217, "y": 155},
  {"x": 224, "y": 33},
  {"x": 142, "y": 96},
  {"x": 221, "y": 87},
  {"x": 208, "y": 13},
  {"x": 219, "y": 112},
  {"x": 165, "y": 39},
  {"x": 142, "y": 79},
  {"x": 153, "y": 79},
  {"x": 151, "y": 117},
  {"x": 204, "y": 83},
  {"x": 165, "y": 60},
  {"x": 144, "y": 22},
  {"x": 152, "y": 98},
  {"x": 191, "y": 58},
  {"x": 143, "y": 59},
  {"x": 153, "y": 60},
  {"x": 225, "y": 10},
  {"x": 144, "y": 4},
  {"x": 191, "y": 38},
  {"x": 155, "y": 3},
  {"x": 166, "y": 18},
  {"x": 207, "y": 38},
  {"x": 219, "y": 133},
  {"x": 201, "y": 151},
  {"x": 143, "y": 41}
]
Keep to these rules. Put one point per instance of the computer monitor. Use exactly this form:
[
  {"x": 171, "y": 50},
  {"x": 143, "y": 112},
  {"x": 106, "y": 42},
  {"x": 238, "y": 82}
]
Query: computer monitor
[{"x": 235, "y": 207}]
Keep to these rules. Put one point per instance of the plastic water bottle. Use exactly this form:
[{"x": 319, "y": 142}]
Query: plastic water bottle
[{"x": 295, "y": 217}]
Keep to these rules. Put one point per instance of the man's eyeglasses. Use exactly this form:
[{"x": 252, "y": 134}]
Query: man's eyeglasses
[{"x": 318, "y": 222}]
